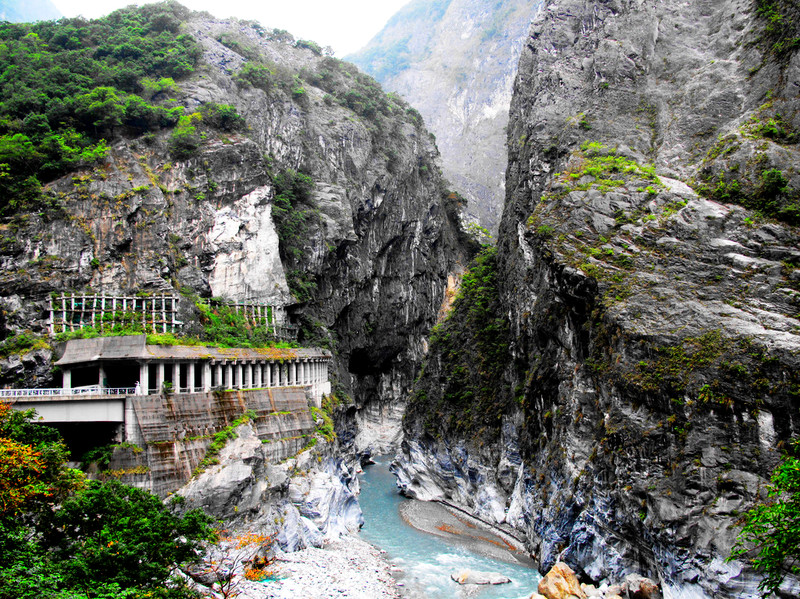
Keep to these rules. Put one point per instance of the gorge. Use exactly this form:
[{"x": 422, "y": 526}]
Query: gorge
[{"x": 612, "y": 383}]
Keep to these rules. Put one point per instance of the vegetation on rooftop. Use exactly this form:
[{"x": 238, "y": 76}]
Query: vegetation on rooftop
[{"x": 217, "y": 324}]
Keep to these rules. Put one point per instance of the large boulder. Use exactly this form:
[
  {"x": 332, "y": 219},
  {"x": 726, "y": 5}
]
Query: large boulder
[
  {"x": 561, "y": 583},
  {"x": 474, "y": 577},
  {"x": 640, "y": 587}
]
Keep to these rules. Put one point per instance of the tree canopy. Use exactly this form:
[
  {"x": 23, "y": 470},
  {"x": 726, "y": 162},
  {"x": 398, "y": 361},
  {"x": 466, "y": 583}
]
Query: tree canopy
[
  {"x": 66, "y": 538},
  {"x": 68, "y": 86}
]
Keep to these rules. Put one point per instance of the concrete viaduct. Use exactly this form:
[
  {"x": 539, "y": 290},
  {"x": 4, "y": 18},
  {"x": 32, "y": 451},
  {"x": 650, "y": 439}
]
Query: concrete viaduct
[{"x": 102, "y": 376}]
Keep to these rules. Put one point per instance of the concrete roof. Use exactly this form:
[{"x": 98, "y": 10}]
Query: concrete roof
[{"x": 135, "y": 347}]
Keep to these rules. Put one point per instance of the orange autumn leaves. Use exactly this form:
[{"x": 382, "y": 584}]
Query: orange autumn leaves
[{"x": 22, "y": 469}]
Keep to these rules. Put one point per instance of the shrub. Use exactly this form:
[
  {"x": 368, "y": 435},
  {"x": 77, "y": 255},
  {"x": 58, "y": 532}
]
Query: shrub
[
  {"x": 256, "y": 75},
  {"x": 770, "y": 537},
  {"x": 185, "y": 139},
  {"x": 222, "y": 116}
]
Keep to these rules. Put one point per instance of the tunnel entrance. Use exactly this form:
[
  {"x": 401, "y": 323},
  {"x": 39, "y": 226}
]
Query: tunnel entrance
[{"x": 80, "y": 437}]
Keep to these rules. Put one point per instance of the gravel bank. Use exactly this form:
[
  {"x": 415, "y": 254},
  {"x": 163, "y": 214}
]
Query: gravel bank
[
  {"x": 441, "y": 521},
  {"x": 347, "y": 567}
]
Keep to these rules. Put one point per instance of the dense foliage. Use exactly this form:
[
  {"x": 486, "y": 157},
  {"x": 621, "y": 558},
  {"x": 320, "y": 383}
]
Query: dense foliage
[
  {"x": 292, "y": 208},
  {"x": 65, "y": 538},
  {"x": 771, "y": 534},
  {"x": 69, "y": 86},
  {"x": 461, "y": 387}
]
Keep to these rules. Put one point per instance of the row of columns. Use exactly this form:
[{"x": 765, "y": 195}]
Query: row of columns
[{"x": 237, "y": 375}]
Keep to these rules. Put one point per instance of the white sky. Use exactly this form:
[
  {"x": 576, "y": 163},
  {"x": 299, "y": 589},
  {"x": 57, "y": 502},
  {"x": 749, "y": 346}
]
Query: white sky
[{"x": 345, "y": 25}]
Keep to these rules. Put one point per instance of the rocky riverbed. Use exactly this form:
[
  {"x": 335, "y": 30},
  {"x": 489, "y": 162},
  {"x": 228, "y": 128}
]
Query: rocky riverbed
[{"x": 344, "y": 568}]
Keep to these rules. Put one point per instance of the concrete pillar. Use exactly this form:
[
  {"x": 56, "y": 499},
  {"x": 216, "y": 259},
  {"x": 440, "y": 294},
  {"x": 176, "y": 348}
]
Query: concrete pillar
[
  {"x": 206, "y": 376},
  {"x": 257, "y": 375},
  {"x": 292, "y": 373},
  {"x": 219, "y": 374},
  {"x": 228, "y": 376},
  {"x": 247, "y": 380},
  {"x": 160, "y": 377},
  {"x": 176, "y": 377},
  {"x": 239, "y": 373},
  {"x": 190, "y": 374},
  {"x": 269, "y": 374},
  {"x": 133, "y": 433},
  {"x": 101, "y": 377},
  {"x": 144, "y": 378},
  {"x": 66, "y": 378}
]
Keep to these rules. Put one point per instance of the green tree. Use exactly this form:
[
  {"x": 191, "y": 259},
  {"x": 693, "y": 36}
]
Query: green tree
[
  {"x": 101, "y": 108},
  {"x": 63, "y": 538},
  {"x": 114, "y": 533},
  {"x": 770, "y": 538}
]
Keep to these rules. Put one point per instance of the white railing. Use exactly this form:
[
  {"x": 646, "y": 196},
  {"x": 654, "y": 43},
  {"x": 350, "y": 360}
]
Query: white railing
[{"x": 89, "y": 390}]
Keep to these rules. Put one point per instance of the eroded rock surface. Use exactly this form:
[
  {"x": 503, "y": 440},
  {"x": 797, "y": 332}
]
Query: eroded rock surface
[{"x": 303, "y": 500}]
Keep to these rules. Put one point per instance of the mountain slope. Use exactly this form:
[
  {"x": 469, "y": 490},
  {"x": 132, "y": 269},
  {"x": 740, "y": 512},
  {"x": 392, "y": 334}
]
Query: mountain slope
[{"x": 455, "y": 61}]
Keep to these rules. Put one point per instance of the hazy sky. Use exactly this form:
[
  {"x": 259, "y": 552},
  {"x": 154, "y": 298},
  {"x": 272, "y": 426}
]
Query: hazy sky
[{"x": 345, "y": 25}]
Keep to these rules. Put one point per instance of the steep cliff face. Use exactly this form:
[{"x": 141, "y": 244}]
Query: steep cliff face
[
  {"x": 455, "y": 61},
  {"x": 366, "y": 248},
  {"x": 654, "y": 331}
]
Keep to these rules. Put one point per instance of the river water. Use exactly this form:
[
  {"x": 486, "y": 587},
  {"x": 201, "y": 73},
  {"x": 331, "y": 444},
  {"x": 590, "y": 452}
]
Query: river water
[{"x": 427, "y": 561}]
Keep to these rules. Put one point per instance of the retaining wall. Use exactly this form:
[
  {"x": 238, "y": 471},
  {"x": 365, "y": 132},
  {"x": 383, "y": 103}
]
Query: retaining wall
[{"x": 169, "y": 435}]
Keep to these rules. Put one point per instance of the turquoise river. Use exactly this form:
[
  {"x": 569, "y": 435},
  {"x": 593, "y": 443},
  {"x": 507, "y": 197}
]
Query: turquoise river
[{"x": 424, "y": 562}]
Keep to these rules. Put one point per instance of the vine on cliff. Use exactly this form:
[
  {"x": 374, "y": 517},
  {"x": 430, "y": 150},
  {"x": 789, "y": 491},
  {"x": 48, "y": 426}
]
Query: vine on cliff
[
  {"x": 292, "y": 208},
  {"x": 461, "y": 385},
  {"x": 782, "y": 26}
]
